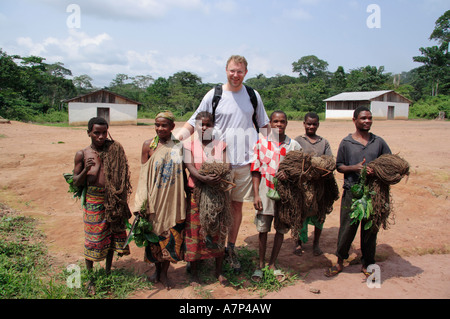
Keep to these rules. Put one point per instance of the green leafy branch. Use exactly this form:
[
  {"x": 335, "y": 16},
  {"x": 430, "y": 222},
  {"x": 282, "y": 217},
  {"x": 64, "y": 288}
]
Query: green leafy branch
[
  {"x": 362, "y": 207},
  {"x": 142, "y": 234},
  {"x": 78, "y": 191}
]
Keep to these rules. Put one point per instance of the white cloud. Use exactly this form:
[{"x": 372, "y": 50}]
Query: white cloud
[
  {"x": 158, "y": 64},
  {"x": 30, "y": 47},
  {"x": 102, "y": 57},
  {"x": 78, "y": 46}
]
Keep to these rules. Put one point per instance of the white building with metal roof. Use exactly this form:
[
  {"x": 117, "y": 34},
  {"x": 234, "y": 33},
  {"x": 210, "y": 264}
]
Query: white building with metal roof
[
  {"x": 387, "y": 105},
  {"x": 116, "y": 109}
]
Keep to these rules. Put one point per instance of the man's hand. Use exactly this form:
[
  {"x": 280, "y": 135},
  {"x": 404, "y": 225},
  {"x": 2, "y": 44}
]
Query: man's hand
[
  {"x": 211, "y": 179},
  {"x": 257, "y": 203},
  {"x": 360, "y": 166},
  {"x": 281, "y": 176},
  {"x": 89, "y": 163}
]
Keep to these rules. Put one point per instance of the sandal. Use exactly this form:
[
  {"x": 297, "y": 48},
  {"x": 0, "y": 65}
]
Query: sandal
[
  {"x": 333, "y": 271},
  {"x": 366, "y": 273},
  {"x": 257, "y": 275},
  {"x": 279, "y": 275}
]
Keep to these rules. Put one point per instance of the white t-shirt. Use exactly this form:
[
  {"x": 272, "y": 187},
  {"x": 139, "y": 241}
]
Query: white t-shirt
[{"x": 234, "y": 124}]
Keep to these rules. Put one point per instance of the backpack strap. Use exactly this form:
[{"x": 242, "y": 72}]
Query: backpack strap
[
  {"x": 215, "y": 101},
  {"x": 254, "y": 101}
]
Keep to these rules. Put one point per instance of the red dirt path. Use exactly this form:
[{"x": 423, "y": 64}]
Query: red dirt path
[{"x": 413, "y": 254}]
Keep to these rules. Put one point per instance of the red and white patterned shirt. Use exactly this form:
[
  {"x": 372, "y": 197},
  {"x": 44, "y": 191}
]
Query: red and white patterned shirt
[{"x": 268, "y": 154}]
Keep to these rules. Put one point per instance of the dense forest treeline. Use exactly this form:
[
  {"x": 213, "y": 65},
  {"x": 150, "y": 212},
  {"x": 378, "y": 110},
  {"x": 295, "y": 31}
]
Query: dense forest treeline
[{"x": 33, "y": 90}]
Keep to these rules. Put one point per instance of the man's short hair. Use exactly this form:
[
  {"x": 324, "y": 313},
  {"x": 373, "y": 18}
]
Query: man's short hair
[
  {"x": 279, "y": 112},
  {"x": 96, "y": 120},
  {"x": 311, "y": 115},
  {"x": 360, "y": 109},
  {"x": 237, "y": 59}
]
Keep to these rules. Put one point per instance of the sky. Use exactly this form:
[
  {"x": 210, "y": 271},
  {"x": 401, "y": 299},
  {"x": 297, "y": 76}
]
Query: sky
[{"x": 102, "y": 38}]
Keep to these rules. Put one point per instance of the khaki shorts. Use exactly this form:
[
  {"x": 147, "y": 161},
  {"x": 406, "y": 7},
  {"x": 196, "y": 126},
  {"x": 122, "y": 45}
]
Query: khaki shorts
[
  {"x": 263, "y": 224},
  {"x": 242, "y": 177}
]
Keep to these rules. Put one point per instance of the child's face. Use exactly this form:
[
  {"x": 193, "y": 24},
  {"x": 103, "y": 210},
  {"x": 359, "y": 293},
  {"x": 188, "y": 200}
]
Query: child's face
[
  {"x": 98, "y": 134},
  {"x": 205, "y": 129},
  {"x": 163, "y": 128},
  {"x": 311, "y": 126},
  {"x": 278, "y": 123}
]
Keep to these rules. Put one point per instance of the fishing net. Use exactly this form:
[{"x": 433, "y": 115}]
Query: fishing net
[
  {"x": 213, "y": 202},
  {"x": 117, "y": 185},
  {"x": 309, "y": 190},
  {"x": 388, "y": 170}
]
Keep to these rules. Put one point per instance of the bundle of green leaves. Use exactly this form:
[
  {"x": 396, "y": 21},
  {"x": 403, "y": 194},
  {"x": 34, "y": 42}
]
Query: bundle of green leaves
[
  {"x": 78, "y": 192},
  {"x": 362, "y": 207},
  {"x": 142, "y": 234}
]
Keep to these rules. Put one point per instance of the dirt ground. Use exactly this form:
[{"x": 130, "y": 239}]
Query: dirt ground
[{"x": 413, "y": 254}]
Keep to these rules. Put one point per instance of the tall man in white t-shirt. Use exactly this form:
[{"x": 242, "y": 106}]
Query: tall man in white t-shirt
[{"x": 234, "y": 125}]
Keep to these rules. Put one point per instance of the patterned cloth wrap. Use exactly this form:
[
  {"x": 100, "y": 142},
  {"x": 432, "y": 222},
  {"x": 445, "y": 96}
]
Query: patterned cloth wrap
[
  {"x": 169, "y": 248},
  {"x": 99, "y": 239},
  {"x": 195, "y": 243}
]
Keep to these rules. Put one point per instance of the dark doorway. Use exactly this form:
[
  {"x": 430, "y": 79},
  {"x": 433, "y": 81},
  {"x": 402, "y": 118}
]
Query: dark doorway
[{"x": 103, "y": 112}]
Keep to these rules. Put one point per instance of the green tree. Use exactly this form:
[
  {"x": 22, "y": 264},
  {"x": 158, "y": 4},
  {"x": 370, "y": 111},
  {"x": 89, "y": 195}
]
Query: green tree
[
  {"x": 157, "y": 94},
  {"x": 29, "y": 86},
  {"x": 310, "y": 67},
  {"x": 368, "y": 78},
  {"x": 338, "y": 81},
  {"x": 83, "y": 83},
  {"x": 185, "y": 91},
  {"x": 142, "y": 81},
  {"x": 441, "y": 32},
  {"x": 436, "y": 59},
  {"x": 132, "y": 87},
  {"x": 436, "y": 66}
]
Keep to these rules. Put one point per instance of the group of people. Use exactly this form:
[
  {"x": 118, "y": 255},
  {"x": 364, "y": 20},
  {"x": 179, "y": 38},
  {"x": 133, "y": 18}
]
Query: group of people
[{"x": 226, "y": 131}]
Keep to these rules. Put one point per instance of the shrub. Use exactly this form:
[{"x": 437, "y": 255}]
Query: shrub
[{"x": 431, "y": 106}]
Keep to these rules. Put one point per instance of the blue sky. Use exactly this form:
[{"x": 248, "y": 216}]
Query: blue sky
[{"x": 161, "y": 37}]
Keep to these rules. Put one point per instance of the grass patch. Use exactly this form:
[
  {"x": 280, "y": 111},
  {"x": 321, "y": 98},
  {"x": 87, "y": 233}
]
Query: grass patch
[
  {"x": 249, "y": 261},
  {"x": 25, "y": 272},
  {"x": 243, "y": 280}
]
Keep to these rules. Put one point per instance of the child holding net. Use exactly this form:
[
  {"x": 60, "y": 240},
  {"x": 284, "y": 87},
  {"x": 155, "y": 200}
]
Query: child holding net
[{"x": 209, "y": 217}]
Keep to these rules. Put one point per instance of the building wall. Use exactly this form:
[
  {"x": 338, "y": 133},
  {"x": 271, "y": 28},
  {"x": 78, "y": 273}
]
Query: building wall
[
  {"x": 119, "y": 114},
  {"x": 339, "y": 114},
  {"x": 380, "y": 110}
]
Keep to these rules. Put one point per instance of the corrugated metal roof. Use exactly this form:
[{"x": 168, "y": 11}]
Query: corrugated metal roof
[
  {"x": 357, "y": 96},
  {"x": 97, "y": 91}
]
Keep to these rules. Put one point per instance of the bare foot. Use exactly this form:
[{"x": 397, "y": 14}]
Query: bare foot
[
  {"x": 195, "y": 281},
  {"x": 222, "y": 280},
  {"x": 166, "y": 282},
  {"x": 298, "y": 250},
  {"x": 155, "y": 277},
  {"x": 90, "y": 288},
  {"x": 316, "y": 250}
]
